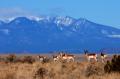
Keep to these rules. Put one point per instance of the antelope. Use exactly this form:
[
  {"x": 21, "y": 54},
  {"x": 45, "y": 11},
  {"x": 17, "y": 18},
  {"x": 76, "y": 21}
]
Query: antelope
[
  {"x": 67, "y": 57},
  {"x": 55, "y": 58},
  {"x": 91, "y": 56},
  {"x": 41, "y": 58},
  {"x": 103, "y": 56}
]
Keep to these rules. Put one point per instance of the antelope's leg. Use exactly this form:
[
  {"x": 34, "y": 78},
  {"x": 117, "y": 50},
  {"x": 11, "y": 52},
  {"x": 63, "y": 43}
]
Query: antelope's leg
[
  {"x": 96, "y": 59},
  {"x": 88, "y": 59}
]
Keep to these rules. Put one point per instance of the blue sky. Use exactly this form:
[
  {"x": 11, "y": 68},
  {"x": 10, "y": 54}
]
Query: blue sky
[{"x": 105, "y": 12}]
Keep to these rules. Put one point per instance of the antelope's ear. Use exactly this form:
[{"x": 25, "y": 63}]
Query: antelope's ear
[{"x": 85, "y": 50}]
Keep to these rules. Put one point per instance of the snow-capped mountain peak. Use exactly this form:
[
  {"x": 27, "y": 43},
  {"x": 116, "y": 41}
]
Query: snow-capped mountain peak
[
  {"x": 36, "y": 18},
  {"x": 64, "y": 20},
  {"x": 81, "y": 21},
  {"x": 44, "y": 34}
]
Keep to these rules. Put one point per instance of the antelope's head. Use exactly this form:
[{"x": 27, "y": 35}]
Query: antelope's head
[{"x": 86, "y": 52}]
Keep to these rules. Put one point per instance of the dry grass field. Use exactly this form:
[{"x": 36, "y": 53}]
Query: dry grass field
[{"x": 55, "y": 70}]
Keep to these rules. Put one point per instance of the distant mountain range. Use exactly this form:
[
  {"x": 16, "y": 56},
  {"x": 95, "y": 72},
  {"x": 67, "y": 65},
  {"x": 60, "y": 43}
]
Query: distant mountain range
[{"x": 45, "y": 34}]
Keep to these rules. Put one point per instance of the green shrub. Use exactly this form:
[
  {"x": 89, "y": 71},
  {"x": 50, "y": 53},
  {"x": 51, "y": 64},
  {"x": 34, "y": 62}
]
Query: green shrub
[
  {"x": 94, "y": 69},
  {"x": 28, "y": 59},
  {"x": 11, "y": 58},
  {"x": 41, "y": 73},
  {"x": 113, "y": 65}
]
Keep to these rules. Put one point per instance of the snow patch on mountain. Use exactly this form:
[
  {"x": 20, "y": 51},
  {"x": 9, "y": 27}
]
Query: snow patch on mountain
[
  {"x": 63, "y": 21},
  {"x": 5, "y": 31},
  {"x": 114, "y": 36},
  {"x": 104, "y": 32},
  {"x": 36, "y": 18},
  {"x": 80, "y": 21},
  {"x": 8, "y": 19}
]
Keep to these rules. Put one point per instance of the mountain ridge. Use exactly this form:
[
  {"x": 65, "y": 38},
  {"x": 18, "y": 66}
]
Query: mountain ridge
[{"x": 44, "y": 34}]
